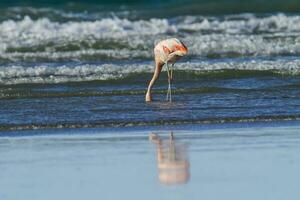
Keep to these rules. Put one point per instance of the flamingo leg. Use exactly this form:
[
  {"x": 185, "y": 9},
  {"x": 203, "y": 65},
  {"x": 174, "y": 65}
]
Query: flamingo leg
[
  {"x": 171, "y": 80},
  {"x": 168, "y": 81},
  {"x": 169, "y": 93},
  {"x": 172, "y": 72}
]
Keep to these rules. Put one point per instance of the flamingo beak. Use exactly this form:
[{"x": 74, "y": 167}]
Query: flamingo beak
[{"x": 183, "y": 49}]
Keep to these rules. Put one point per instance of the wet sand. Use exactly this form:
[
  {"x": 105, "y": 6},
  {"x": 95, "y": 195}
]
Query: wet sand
[{"x": 249, "y": 162}]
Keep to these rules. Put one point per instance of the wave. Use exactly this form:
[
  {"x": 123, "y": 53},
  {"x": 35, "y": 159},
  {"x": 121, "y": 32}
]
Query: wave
[
  {"x": 104, "y": 124},
  {"x": 48, "y": 74},
  {"x": 120, "y": 38}
]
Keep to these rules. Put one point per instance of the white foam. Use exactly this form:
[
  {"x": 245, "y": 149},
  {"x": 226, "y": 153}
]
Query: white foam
[
  {"x": 18, "y": 74},
  {"x": 291, "y": 67},
  {"x": 241, "y": 45},
  {"x": 28, "y": 32},
  {"x": 244, "y": 23},
  {"x": 77, "y": 55},
  {"x": 244, "y": 34}
]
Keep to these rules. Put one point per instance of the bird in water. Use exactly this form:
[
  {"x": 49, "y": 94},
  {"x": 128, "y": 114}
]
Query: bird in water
[{"x": 166, "y": 52}]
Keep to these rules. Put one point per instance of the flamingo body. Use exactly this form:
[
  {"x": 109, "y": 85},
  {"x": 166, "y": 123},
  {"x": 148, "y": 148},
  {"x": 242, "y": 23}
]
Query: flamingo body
[{"x": 166, "y": 52}]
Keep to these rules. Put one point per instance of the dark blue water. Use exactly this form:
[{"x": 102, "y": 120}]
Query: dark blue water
[{"x": 87, "y": 64}]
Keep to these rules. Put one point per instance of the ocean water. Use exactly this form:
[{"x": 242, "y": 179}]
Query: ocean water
[
  {"x": 87, "y": 64},
  {"x": 62, "y": 67}
]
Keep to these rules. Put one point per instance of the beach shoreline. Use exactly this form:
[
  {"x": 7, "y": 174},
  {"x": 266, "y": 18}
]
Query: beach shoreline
[
  {"x": 142, "y": 130},
  {"x": 240, "y": 161}
]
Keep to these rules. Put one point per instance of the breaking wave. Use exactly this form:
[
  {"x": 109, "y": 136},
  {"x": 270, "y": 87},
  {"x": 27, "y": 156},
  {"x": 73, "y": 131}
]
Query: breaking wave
[
  {"x": 18, "y": 74},
  {"x": 119, "y": 38}
]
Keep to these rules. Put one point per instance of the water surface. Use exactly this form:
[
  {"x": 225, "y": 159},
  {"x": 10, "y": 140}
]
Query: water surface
[{"x": 230, "y": 163}]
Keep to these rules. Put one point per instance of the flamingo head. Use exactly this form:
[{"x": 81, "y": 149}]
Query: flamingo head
[{"x": 180, "y": 48}]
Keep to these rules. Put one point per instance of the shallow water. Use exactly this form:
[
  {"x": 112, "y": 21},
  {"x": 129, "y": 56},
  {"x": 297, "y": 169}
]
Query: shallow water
[
  {"x": 258, "y": 162},
  {"x": 204, "y": 99},
  {"x": 59, "y": 71}
]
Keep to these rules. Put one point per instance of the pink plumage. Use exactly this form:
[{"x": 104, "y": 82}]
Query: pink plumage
[{"x": 166, "y": 52}]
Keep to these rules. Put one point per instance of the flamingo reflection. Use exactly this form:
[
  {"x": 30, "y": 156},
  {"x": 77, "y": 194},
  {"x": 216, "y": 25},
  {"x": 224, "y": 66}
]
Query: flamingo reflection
[{"x": 172, "y": 160}]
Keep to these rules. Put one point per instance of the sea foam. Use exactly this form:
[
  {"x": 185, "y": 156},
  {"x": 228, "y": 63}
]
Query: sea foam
[
  {"x": 116, "y": 38},
  {"x": 18, "y": 74}
]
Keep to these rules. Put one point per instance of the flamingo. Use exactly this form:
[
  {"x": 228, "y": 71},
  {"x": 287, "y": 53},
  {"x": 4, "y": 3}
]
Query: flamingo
[{"x": 166, "y": 52}]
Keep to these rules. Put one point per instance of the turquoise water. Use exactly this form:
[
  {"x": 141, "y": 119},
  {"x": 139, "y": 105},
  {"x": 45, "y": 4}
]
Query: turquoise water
[{"x": 157, "y": 8}]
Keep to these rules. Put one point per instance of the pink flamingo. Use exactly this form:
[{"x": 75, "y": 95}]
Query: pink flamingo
[{"x": 165, "y": 52}]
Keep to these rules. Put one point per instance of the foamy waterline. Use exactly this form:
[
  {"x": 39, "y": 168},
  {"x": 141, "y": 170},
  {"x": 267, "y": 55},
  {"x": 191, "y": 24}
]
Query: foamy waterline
[
  {"x": 17, "y": 74},
  {"x": 106, "y": 124}
]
